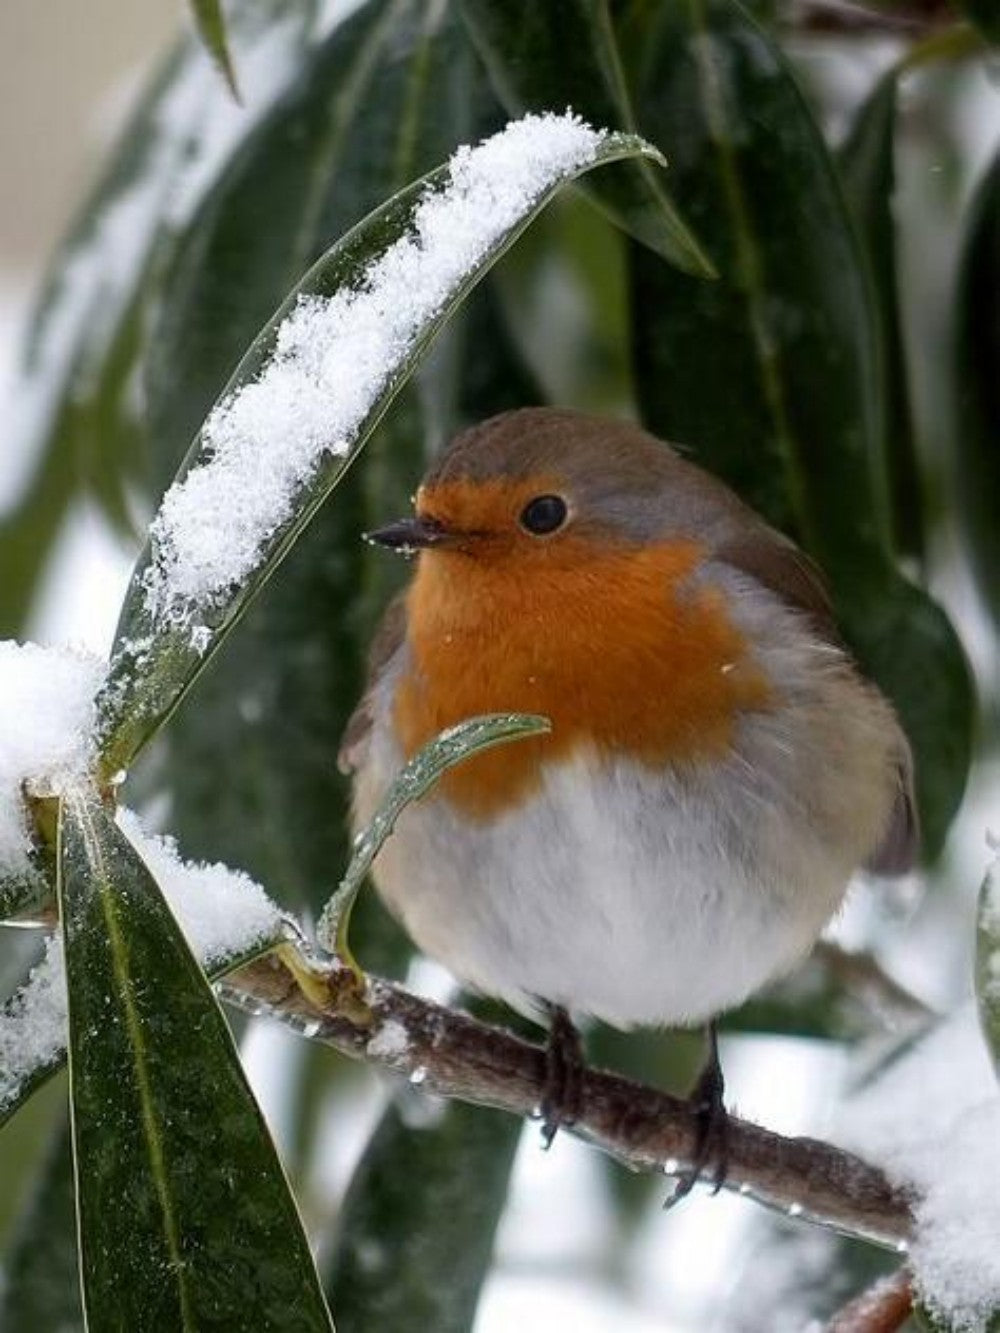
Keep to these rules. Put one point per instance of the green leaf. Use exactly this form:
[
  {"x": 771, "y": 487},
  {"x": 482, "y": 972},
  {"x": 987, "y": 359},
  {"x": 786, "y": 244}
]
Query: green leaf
[
  {"x": 771, "y": 374},
  {"x": 186, "y": 1220},
  {"x": 418, "y": 1223},
  {"x": 155, "y": 659},
  {"x": 545, "y": 57},
  {"x": 867, "y": 169},
  {"x": 211, "y": 25},
  {"x": 48, "y": 1060},
  {"x": 414, "y": 781},
  {"x": 988, "y": 963},
  {"x": 41, "y": 1290},
  {"x": 977, "y": 384}
]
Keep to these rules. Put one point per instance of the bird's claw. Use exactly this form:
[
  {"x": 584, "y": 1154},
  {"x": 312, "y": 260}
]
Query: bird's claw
[
  {"x": 711, "y": 1142},
  {"x": 564, "y": 1070}
]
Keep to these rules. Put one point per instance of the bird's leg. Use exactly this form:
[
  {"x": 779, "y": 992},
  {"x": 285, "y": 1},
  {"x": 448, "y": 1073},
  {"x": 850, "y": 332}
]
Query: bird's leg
[
  {"x": 711, "y": 1143},
  {"x": 564, "y": 1069}
]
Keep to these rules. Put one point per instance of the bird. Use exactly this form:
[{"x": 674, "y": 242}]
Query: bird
[{"x": 717, "y": 768}]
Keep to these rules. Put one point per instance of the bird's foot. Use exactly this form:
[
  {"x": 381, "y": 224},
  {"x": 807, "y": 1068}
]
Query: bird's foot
[
  {"x": 711, "y": 1143},
  {"x": 564, "y": 1069}
]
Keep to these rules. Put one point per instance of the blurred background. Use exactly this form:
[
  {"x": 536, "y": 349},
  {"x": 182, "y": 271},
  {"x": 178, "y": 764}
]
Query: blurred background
[{"x": 578, "y": 1245}]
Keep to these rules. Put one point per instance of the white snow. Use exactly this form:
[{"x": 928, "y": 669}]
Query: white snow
[
  {"x": 46, "y": 726},
  {"x": 222, "y": 912},
  {"x": 334, "y": 356},
  {"x": 932, "y": 1121},
  {"x": 390, "y": 1041},
  {"x": 33, "y": 1026}
]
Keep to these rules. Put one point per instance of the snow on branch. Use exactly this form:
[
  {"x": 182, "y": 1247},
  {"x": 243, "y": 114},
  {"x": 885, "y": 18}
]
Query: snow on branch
[{"x": 932, "y": 1118}]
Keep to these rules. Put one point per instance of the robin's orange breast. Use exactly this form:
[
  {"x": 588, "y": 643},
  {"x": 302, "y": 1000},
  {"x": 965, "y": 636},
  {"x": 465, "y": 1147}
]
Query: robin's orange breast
[{"x": 622, "y": 648}]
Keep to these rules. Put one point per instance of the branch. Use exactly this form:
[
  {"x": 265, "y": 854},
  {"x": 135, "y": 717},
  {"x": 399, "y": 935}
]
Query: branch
[
  {"x": 458, "y": 1057},
  {"x": 883, "y": 1308}
]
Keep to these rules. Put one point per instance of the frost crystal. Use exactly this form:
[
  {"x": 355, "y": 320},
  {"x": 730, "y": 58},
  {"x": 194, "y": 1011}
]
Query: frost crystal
[{"x": 333, "y": 357}]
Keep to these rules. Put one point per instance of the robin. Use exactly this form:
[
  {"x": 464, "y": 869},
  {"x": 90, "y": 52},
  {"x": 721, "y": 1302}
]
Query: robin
[{"x": 717, "y": 767}]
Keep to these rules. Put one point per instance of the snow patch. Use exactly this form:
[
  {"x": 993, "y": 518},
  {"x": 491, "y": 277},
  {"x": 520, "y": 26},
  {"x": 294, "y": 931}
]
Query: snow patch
[
  {"x": 333, "y": 357},
  {"x": 223, "y": 912},
  {"x": 33, "y": 1024},
  {"x": 390, "y": 1042},
  {"x": 47, "y": 721},
  {"x": 931, "y": 1120}
]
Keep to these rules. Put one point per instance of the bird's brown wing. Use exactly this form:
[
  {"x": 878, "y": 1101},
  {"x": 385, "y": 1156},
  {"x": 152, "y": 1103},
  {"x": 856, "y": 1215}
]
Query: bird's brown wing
[
  {"x": 790, "y": 574},
  {"x": 388, "y": 639},
  {"x": 784, "y": 569}
]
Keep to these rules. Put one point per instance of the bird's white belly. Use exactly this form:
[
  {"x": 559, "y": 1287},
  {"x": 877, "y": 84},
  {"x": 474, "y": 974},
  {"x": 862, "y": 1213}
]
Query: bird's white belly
[{"x": 640, "y": 897}]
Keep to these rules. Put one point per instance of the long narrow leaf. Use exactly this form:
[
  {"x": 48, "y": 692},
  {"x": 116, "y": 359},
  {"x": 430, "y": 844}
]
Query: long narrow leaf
[
  {"x": 867, "y": 168},
  {"x": 186, "y": 1220},
  {"x": 544, "y": 57},
  {"x": 169, "y": 630},
  {"x": 33, "y": 1023},
  {"x": 418, "y": 1222}
]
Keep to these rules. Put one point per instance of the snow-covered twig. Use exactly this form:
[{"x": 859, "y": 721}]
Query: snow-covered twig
[{"x": 455, "y": 1056}]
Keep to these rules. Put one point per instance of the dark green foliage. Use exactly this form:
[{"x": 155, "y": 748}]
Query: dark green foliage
[
  {"x": 868, "y": 171},
  {"x": 185, "y": 1217}
]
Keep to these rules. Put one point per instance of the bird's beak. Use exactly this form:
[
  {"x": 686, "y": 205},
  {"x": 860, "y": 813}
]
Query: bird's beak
[{"x": 410, "y": 534}]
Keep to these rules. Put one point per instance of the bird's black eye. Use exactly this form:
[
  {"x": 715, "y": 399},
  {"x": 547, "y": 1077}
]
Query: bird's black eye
[{"x": 544, "y": 514}]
